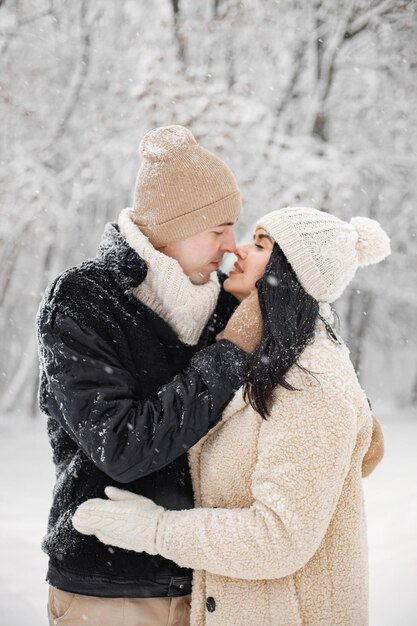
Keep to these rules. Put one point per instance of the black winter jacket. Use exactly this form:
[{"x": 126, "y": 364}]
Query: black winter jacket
[{"x": 125, "y": 400}]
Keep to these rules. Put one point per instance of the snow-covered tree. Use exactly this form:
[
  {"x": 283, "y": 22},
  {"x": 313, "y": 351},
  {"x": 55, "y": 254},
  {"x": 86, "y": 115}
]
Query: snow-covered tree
[{"x": 310, "y": 102}]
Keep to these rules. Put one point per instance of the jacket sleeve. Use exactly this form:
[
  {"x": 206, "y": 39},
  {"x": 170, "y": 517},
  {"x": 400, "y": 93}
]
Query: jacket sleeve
[
  {"x": 93, "y": 398},
  {"x": 304, "y": 454}
]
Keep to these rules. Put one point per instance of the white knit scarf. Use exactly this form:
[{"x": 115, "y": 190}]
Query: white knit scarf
[{"x": 167, "y": 290}]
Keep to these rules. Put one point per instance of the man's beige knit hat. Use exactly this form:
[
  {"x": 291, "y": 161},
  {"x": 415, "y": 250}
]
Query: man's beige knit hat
[
  {"x": 323, "y": 250},
  {"x": 181, "y": 189}
]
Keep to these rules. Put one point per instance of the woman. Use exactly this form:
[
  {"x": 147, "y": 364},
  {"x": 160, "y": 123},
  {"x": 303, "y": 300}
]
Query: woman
[{"x": 278, "y": 535}]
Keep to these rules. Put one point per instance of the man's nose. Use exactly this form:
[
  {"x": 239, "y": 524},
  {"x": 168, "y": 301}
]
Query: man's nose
[{"x": 229, "y": 244}]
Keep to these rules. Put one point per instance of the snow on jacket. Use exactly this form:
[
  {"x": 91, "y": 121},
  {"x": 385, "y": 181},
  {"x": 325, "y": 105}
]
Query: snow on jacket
[
  {"x": 123, "y": 410},
  {"x": 278, "y": 535}
]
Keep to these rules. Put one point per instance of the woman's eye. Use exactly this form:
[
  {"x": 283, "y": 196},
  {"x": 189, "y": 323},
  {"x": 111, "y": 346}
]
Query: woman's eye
[{"x": 258, "y": 246}]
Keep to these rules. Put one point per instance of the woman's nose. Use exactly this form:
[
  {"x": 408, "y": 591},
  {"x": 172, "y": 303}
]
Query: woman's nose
[{"x": 241, "y": 252}]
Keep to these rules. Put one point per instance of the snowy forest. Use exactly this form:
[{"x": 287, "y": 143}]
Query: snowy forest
[{"x": 312, "y": 103}]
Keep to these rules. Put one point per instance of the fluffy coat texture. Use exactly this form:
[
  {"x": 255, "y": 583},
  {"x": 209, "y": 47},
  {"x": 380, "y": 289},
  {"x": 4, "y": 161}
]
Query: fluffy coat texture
[{"x": 278, "y": 535}]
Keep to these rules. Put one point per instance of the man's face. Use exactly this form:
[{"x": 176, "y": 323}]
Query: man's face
[{"x": 202, "y": 254}]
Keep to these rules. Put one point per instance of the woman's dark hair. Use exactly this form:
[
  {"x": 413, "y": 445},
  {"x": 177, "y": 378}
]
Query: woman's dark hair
[{"x": 289, "y": 315}]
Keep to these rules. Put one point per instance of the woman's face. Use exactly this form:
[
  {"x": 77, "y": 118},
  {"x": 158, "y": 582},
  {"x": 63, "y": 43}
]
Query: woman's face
[{"x": 250, "y": 265}]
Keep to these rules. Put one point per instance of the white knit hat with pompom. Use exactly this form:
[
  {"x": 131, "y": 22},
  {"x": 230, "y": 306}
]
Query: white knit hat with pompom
[{"x": 323, "y": 250}]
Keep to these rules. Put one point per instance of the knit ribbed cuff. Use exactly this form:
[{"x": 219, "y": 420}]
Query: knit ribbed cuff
[{"x": 196, "y": 221}]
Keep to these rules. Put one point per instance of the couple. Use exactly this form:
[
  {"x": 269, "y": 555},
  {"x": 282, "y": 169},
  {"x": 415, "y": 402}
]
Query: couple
[{"x": 267, "y": 506}]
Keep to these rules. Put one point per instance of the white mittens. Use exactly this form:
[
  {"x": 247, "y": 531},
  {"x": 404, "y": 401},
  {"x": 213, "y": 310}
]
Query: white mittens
[{"x": 126, "y": 520}]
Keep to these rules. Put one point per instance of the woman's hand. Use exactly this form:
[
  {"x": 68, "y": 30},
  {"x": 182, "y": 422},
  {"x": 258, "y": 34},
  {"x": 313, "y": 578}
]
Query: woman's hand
[
  {"x": 375, "y": 452},
  {"x": 244, "y": 328},
  {"x": 125, "y": 520}
]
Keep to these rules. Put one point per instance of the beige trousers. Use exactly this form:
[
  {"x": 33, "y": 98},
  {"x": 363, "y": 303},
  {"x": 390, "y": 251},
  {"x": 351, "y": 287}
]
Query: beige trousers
[{"x": 73, "y": 609}]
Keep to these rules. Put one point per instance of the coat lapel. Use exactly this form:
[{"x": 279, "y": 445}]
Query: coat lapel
[{"x": 194, "y": 454}]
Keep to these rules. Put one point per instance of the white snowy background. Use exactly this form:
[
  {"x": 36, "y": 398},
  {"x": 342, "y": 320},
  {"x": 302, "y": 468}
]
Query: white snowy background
[{"x": 311, "y": 102}]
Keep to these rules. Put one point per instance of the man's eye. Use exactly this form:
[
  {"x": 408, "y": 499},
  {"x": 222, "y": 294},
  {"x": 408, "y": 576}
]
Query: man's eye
[{"x": 219, "y": 233}]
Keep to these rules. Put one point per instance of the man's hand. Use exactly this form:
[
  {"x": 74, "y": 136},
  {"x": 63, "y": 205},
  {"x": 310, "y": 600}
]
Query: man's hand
[
  {"x": 375, "y": 452},
  {"x": 126, "y": 520},
  {"x": 244, "y": 328}
]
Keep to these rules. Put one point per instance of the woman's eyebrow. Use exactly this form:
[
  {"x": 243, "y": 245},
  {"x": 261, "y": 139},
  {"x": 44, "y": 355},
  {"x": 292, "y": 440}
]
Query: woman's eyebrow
[{"x": 263, "y": 236}]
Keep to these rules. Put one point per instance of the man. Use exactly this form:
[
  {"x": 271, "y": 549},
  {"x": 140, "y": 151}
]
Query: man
[{"x": 125, "y": 389}]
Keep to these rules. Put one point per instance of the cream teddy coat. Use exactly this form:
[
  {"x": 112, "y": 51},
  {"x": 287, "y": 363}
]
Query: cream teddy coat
[{"x": 277, "y": 537}]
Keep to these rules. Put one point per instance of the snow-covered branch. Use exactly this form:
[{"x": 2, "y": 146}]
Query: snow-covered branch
[{"x": 362, "y": 22}]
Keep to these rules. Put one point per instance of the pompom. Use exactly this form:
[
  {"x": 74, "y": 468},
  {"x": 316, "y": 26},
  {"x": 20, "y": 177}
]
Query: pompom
[
  {"x": 162, "y": 143},
  {"x": 373, "y": 243}
]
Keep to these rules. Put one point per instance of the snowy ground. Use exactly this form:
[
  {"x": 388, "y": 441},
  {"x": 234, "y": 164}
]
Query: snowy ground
[{"x": 26, "y": 478}]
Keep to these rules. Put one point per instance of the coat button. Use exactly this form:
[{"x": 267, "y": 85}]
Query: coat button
[{"x": 211, "y": 604}]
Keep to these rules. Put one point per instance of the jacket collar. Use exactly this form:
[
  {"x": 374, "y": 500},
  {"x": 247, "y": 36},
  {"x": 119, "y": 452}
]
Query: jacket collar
[{"x": 119, "y": 259}]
